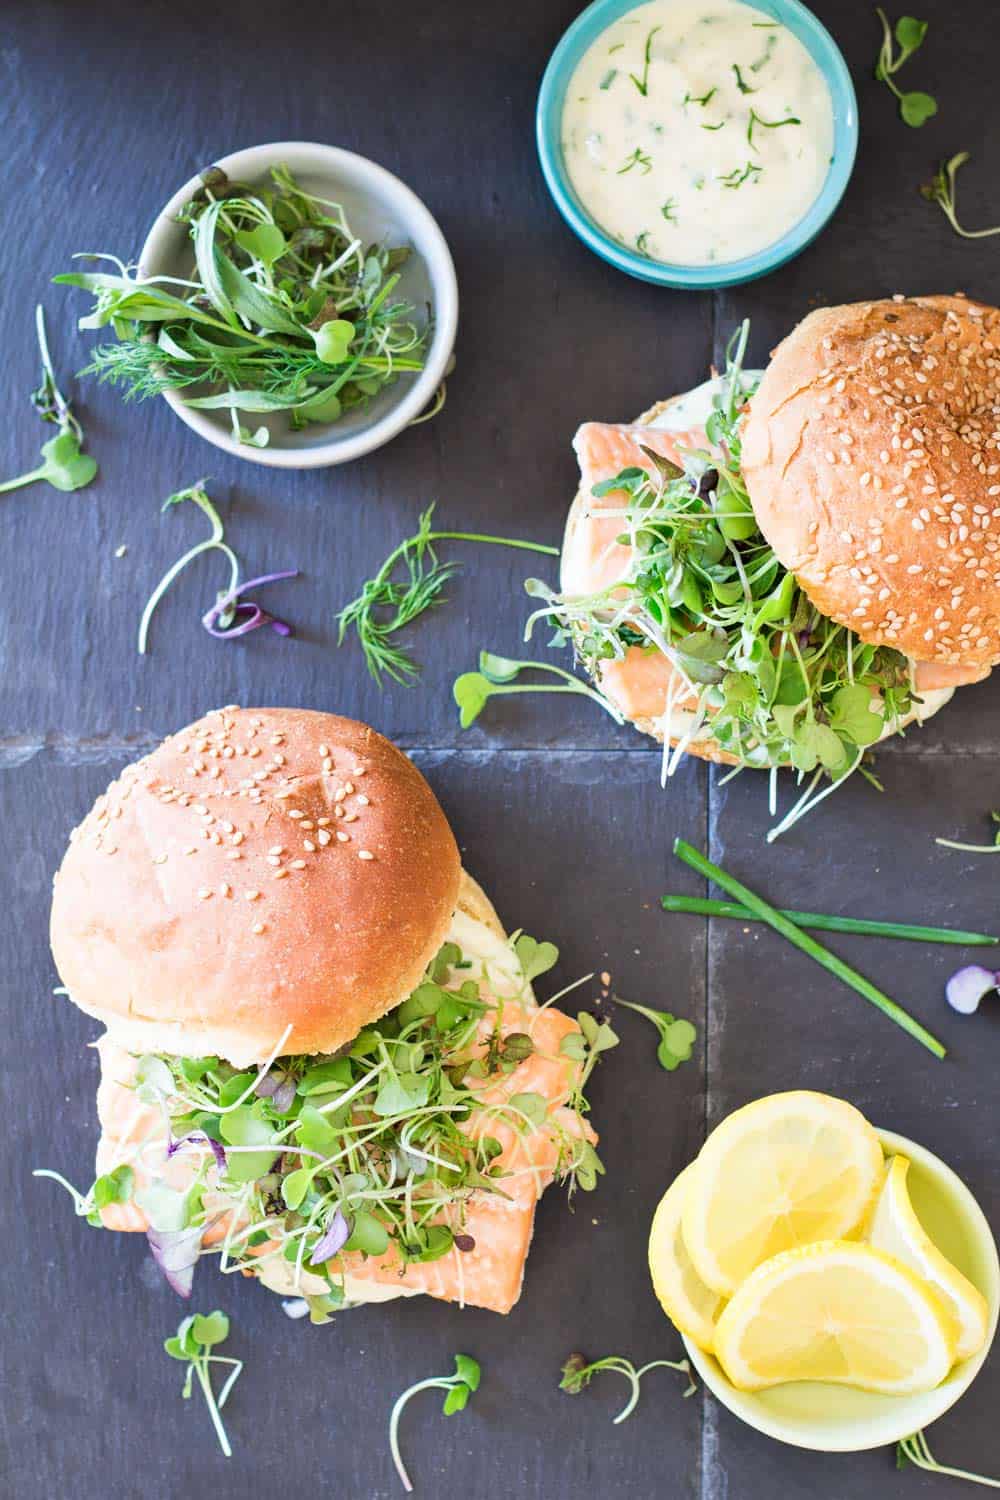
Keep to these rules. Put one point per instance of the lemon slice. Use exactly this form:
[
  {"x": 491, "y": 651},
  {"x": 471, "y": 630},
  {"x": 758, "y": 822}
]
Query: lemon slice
[
  {"x": 896, "y": 1229},
  {"x": 784, "y": 1171},
  {"x": 841, "y": 1312},
  {"x": 687, "y": 1301}
]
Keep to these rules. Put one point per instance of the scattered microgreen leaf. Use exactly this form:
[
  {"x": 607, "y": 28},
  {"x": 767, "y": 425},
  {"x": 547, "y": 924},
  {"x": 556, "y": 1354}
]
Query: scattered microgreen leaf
[
  {"x": 677, "y": 1037},
  {"x": 755, "y": 119},
  {"x": 458, "y": 1387},
  {"x": 915, "y": 108},
  {"x": 668, "y": 210},
  {"x": 942, "y": 190},
  {"x": 741, "y": 82},
  {"x": 577, "y": 1373},
  {"x": 915, "y": 1450},
  {"x": 388, "y": 602},
  {"x": 196, "y": 1335},
  {"x": 231, "y": 614},
  {"x": 639, "y": 159},
  {"x": 739, "y": 175},
  {"x": 64, "y": 465},
  {"x": 702, "y": 99},
  {"x": 473, "y": 690}
]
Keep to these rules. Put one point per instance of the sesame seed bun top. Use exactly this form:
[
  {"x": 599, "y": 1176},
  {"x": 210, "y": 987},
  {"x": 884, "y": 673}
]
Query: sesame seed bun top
[
  {"x": 260, "y": 869},
  {"x": 872, "y": 457}
]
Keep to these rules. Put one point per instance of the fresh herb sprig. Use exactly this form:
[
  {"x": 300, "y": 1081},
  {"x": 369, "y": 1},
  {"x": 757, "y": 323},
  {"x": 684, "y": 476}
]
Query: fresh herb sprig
[
  {"x": 410, "y": 581},
  {"x": 908, "y": 931},
  {"x": 677, "y": 1035},
  {"x": 459, "y": 1387},
  {"x": 287, "y": 311},
  {"x": 942, "y": 190},
  {"x": 915, "y": 1450},
  {"x": 64, "y": 465},
  {"x": 374, "y": 1151},
  {"x": 993, "y": 848},
  {"x": 808, "y": 945},
  {"x": 195, "y": 1337},
  {"x": 231, "y": 614},
  {"x": 915, "y": 107},
  {"x": 577, "y": 1374},
  {"x": 772, "y": 680},
  {"x": 498, "y": 675}
]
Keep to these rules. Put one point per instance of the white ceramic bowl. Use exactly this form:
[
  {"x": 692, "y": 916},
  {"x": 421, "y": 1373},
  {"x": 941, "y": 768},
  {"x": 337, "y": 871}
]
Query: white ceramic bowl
[
  {"x": 837, "y": 1419},
  {"x": 377, "y": 205}
]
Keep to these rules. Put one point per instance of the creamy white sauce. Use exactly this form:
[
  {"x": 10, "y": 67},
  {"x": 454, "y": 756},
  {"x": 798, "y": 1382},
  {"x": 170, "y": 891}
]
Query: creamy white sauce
[
  {"x": 694, "y": 409},
  {"x": 671, "y": 130}
]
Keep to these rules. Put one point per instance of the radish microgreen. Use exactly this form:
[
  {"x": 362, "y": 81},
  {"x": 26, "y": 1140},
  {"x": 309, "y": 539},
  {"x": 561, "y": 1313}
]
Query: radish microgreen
[
  {"x": 231, "y": 614},
  {"x": 915, "y": 1450},
  {"x": 577, "y": 1374},
  {"x": 496, "y": 677},
  {"x": 64, "y": 466},
  {"x": 388, "y": 603},
  {"x": 195, "y": 1336},
  {"x": 459, "y": 1387},
  {"x": 942, "y": 190},
  {"x": 677, "y": 1036},
  {"x": 915, "y": 108}
]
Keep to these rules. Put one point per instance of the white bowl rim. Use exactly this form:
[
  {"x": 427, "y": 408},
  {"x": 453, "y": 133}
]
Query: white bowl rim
[
  {"x": 250, "y": 162},
  {"x": 948, "y": 1393}
]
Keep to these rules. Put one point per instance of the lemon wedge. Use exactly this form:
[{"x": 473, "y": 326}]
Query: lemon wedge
[
  {"x": 896, "y": 1229},
  {"x": 687, "y": 1301},
  {"x": 783, "y": 1171},
  {"x": 841, "y": 1312}
]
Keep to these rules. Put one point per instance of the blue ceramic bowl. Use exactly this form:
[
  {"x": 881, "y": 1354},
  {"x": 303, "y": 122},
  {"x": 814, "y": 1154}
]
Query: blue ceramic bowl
[{"x": 548, "y": 127}]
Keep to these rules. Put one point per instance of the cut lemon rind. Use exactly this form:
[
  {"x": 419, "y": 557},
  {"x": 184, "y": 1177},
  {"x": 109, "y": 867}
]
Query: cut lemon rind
[
  {"x": 689, "y": 1304},
  {"x": 840, "y": 1312},
  {"x": 787, "y": 1170},
  {"x": 895, "y": 1228}
]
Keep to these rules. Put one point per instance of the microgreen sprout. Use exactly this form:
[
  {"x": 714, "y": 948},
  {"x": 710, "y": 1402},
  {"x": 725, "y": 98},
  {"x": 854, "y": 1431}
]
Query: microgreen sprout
[
  {"x": 286, "y": 311},
  {"x": 231, "y": 614},
  {"x": 195, "y": 1336},
  {"x": 577, "y": 1374},
  {"x": 388, "y": 603},
  {"x": 496, "y": 676},
  {"x": 677, "y": 1036},
  {"x": 755, "y": 119},
  {"x": 701, "y": 99},
  {"x": 942, "y": 190},
  {"x": 915, "y": 1450},
  {"x": 64, "y": 466},
  {"x": 459, "y": 1388},
  {"x": 638, "y": 159},
  {"x": 993, "y": 848},
  {"x": 915, "y": 108}
]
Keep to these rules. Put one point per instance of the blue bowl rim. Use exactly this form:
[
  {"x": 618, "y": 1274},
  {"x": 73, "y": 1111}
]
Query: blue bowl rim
[{"x": 548, "y": 116}]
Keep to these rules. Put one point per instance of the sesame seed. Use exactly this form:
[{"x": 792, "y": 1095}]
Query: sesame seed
[
  {"x": 238, "y": 837},
  {"x": 363, "y": 801},
  {"x": 251, "y": 895},
  {"x": 258, "y": 928},
  {"x": 324, "y": 750},
  {"x": 323, "y": 837},
  {"x": 233, "y": 854},
  {"x": 342, "y": 837},
  {"x": 279, "y": 875},
  {"x": 278, "y": 849},
  {"x": 159, "y": 859},
  {"x": 191, "y": 849},
  {"x": 309, "y": 845},
  {"x": 225, "y": 889},
  {"x": 297, "y": 864},
  {"x": 293, "y": 812},
  {"x": 274, "y": 859},
  {"x": 365, "y": 854},
  {"x": 204, "y": 893}
]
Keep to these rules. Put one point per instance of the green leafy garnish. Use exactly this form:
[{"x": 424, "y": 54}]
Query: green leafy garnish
[
  {"x": 459, "y": 1387},
  {"x": 993, "y": 848},
  {"x": 286, "y": 310},
  {"x": 703, "y": 99},
  {"x": 669, "y": 210},
  {"x": 642, "y": 84},
  {"x": 577, "y": 1374},
  {"x": 915, "y": 108},
  {"x": 64, "y": 466},
  {"x": 496, "y": 676},
  {"x": 374, "y": 1151},
  {"x": 195, "y": 1336},
  {"x": 942, "y": 189},
  {"x": 388, "y": 603},
  {"x": 677, "y": 1036},
  {"x": 915, "y": 1450},
  {"x": 739, "y": 175},
  {"x": 772, "y": 680},
  {"x": 741, "y": 83}
]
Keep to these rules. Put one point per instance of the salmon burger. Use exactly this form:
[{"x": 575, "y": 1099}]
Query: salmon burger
[
  {"x": 323, "y": 1061},
  {"x": 779, "y": 569}
]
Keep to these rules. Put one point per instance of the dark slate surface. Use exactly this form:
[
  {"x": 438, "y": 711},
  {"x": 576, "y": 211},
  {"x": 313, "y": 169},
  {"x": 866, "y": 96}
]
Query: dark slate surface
[{"x": 102, "y": 112}]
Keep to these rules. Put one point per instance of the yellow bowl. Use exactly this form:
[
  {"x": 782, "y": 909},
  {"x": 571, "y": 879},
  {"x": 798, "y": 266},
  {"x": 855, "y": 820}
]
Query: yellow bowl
[{"x": 836, "y": 1419}]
